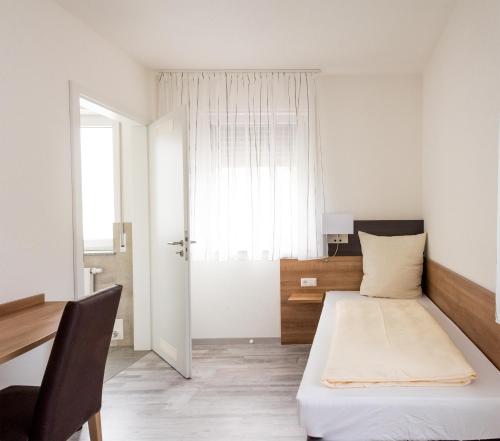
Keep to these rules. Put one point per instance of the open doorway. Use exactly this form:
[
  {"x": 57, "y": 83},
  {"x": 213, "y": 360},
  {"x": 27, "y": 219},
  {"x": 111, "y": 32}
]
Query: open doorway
[
  {"x": 110, "y": 217},
  {"x": 131, "y": 224}
]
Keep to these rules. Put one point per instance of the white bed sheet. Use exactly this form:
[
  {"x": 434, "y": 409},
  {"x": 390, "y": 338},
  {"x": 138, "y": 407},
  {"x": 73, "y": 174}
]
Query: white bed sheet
[{"x": 398, "y": 413}]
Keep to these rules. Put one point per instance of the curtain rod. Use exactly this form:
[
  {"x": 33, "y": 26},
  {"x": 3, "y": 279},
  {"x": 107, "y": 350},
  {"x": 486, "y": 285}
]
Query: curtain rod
[{"x": 238, "y": 70}]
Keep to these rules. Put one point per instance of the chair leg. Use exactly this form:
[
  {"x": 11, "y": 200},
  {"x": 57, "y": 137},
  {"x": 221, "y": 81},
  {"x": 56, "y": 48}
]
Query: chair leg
[{"x": 95, "y": 427}]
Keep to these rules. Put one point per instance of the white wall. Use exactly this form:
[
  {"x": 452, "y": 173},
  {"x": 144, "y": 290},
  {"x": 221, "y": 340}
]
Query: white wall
[
  {"x": 461, "y": 109},
  {"x": 371, "y": 137},
  {"x": 235, "y": 299},
  {"x": 41, "y": 48}
]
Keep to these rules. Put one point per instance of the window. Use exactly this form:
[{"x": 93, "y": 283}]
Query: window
[
  {"x": 256, "y": 188},
  {"x": 100, "y": 182},
  {"x": 255, "y": 176}
]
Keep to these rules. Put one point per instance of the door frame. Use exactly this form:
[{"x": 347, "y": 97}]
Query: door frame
[{"x": 141, "y": 268}]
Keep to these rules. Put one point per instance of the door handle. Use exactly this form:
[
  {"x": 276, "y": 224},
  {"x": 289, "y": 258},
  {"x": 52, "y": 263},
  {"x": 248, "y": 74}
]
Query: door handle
[{"x": 179, "y": 242}]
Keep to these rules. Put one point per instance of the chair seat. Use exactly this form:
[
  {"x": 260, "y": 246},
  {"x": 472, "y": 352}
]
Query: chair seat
[{"x": 17, "y": 404}]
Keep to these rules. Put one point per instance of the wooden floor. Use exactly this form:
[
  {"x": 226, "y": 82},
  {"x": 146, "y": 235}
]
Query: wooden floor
[
  {"x": 119, "y": 359},
  {"x": 239, "y": 392}
]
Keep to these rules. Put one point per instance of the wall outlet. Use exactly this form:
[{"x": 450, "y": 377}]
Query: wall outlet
[
  {"x": 338, "y": 238},
  {"x": 118, "y": 330},
  {"x": 308, "y": 281}
]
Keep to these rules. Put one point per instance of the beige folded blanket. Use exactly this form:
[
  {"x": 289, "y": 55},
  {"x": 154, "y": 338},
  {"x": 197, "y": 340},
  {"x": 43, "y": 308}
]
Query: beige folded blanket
[{"x": 392, "y": 342}]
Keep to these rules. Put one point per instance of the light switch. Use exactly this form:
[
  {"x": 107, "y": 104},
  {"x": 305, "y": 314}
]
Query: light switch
[
  {"x": 123, "y": 242},
  {"x": 308, "y": 281}
]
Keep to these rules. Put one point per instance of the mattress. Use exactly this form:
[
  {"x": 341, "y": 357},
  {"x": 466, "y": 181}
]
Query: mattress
[{"x": 469, "y": 412}]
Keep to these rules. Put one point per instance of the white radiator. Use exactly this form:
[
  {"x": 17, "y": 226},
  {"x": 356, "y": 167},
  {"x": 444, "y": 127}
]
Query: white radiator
[{"x": 88, "y": 280}]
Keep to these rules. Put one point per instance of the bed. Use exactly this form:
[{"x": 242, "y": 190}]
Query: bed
[{"x": 469, "y": 412}]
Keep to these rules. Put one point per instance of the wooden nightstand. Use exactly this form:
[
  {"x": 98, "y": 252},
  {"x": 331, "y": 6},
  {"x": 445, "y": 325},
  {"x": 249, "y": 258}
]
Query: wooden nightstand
[
  {"x": 306, "y": 297},
  {"x": 301, "y": 307}
]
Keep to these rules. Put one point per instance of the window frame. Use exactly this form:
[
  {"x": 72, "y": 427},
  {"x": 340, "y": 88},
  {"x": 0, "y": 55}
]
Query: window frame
[{"x": 95, "y": 121}]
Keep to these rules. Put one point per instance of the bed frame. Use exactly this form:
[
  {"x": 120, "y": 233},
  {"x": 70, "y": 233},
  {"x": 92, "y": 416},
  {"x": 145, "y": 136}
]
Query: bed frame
[{"x": 470, "y": 306}]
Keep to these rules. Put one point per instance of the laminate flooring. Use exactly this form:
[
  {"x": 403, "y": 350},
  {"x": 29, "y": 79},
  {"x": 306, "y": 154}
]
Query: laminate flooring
[
  {"x": 238, "y": 392},
  {"x": 119, "y": 359}
]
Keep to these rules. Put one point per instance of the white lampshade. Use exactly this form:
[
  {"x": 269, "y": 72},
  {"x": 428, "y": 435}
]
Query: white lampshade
[{"x": 338, "y": 223}]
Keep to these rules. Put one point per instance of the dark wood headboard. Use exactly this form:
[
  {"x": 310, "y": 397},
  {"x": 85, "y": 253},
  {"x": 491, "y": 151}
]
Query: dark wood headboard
[{"x": 379, "y": 228}]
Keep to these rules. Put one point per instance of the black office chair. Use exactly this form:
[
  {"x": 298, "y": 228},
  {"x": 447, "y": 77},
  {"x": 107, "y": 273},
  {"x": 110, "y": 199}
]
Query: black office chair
[{"x": 71, "y": 390}]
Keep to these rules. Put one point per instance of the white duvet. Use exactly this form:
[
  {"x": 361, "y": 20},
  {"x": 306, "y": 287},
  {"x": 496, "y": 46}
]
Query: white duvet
[{"x": 392, "y": 342}]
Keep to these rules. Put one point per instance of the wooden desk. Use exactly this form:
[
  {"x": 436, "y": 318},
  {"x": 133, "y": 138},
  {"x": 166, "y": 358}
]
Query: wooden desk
[{"x": 27, "y": 323}]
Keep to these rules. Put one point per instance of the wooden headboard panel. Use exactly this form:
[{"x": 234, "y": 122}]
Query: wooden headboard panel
[
  {"x": 299, "y": 318},
  {"x": 469, "y": 305},
  {"x": 301, "y": 307}
]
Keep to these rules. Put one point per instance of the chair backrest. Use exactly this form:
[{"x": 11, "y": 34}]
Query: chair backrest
[{"x": 71, "y": 389}]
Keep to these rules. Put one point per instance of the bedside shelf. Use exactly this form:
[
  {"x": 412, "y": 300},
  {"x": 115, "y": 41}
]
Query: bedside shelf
[{"x": 306, "y": 297}]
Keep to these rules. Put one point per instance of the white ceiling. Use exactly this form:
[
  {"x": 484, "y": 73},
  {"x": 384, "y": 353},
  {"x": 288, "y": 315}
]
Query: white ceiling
[{"x": 344, "y": 36}]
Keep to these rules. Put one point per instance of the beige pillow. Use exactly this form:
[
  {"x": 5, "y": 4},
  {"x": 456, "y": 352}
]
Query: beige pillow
[{"x": 392, "y": 265}]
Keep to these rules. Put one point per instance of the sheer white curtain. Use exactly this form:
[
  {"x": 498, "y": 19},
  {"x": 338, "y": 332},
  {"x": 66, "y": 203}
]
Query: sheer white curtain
[{"x": 255, "y": 162}]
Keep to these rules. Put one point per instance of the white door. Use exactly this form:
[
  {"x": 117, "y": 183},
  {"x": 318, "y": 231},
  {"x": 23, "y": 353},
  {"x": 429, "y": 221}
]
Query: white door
[{"x": 170, "y": 241}]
